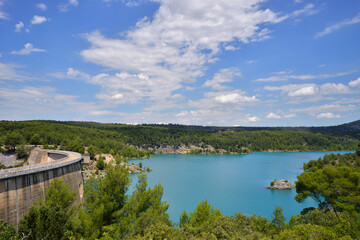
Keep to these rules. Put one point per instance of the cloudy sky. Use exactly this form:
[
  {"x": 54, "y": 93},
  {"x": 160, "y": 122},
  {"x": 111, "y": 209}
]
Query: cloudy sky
[{"x": 213, "y": 62}]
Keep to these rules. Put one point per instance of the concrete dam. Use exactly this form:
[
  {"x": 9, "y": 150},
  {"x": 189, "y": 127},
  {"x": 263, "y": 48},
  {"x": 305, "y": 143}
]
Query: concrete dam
[{"x": 21, "y": 187}]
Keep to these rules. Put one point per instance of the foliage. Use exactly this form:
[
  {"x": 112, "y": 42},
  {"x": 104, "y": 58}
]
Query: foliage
[
  {"x": 92, "y": 150},
  {"x": 7, "y": 232},
  {"x": 51, "y": 218},
  {"x": 104, "y": 197},
  {"x": 273, "y": 182},
  {"x": 12, "y": 140},
  {"x": 35, "y": 139},
  {"x": 22, "y": 151},
  {"x": 72, "y": 138},
  {"x": 100, "y": 163},
  {"x": 332, "y": 186},
  {"x": 278, "y": 218}
]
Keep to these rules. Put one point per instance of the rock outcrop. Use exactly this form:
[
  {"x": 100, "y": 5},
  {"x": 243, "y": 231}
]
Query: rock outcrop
[{"x": 281, "y": 185}]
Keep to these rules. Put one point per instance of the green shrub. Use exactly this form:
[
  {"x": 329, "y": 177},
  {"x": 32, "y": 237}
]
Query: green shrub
[{"x": 100, "y": 164}]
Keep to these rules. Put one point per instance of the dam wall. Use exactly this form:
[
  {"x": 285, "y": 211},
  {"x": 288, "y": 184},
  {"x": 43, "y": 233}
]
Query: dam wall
[{"x": 21, "y": 187}]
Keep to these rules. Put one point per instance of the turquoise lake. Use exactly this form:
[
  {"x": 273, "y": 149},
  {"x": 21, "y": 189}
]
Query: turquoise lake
[{"x": 231, "y": 183}]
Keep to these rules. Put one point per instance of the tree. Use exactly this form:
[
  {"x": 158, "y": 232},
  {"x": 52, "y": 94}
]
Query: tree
[
  {"x": 278, "y": 219},
  {"x": 335, "y": 188},
  {"x": 12, "y": 140},
  {"x": 144, "y": 210},
  {"x": 92, "y": 150},
  {"x": 184, "y": 219},
  {"x": 50, "y": 219},
  {"x": 100, "y": 163},
  {"x": 22, "y": 151},
  {"x": 309, "y": 231},
  {"x": 76, "y": 146},
  {"x": 104, "y": 197},
  {"x": 7, "y": 232},
  {"x": 35, "y": 139},
  {"x": 203, "y": 213}
]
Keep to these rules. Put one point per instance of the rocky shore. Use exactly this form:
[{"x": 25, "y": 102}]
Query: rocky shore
[
  {"x": 281, "y": 185},
  {"x": 191, "y": 149},
  {"x": 90, "y": 169}
]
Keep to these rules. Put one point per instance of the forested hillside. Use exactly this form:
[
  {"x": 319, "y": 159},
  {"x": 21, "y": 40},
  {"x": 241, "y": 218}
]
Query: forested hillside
[{"x": 127, "y": 140}]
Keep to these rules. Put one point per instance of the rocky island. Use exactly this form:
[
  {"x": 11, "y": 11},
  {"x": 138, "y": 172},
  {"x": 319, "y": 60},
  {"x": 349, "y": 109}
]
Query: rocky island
[{"x": 281, "y": 185}]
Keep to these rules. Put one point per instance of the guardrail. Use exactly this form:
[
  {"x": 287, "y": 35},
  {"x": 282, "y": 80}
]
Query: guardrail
[{"x": 25, "y": 170}]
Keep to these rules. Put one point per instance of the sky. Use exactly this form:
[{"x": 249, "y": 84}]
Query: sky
[{"x": 194, "y": 62}]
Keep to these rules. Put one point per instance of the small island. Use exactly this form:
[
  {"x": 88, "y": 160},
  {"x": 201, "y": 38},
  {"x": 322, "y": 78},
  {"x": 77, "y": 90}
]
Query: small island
[{"x": 281, "y": 185}]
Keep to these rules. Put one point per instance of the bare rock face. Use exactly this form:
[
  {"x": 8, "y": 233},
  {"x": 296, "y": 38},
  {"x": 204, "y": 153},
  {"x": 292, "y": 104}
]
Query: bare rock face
[{"x": 281, "y": 185}]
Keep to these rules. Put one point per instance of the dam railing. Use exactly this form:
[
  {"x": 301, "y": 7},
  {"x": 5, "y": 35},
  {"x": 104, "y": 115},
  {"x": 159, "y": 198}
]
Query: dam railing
[{"x": 19, "y": 171}]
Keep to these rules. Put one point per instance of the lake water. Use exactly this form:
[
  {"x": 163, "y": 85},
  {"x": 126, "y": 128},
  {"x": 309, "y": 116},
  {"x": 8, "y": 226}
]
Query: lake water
[{"x": 231, "y": 183}]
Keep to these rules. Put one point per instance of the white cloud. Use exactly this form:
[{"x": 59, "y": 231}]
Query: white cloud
[
  {"x": 290, "y": 115},
  {"x": 41, "y": 6},
  {"x": 28, "y": 48},
  {"x": 327, "y": 115},
  {"x": 19, "y": 26},
  {"x": 338, "y": 25},
  {"x": 251, "y": 61},
  {"x": 65, "y": 7},
  {"x": 272, "y": 116},
  {"x": 28, "y": 100},
  {"x": 73, "y": 73},
  {"x": 313, "y": 110},
  {"x": 305, "y": 91},
  {"x": 355, "y": 83},
  {"x": 308, "y": 10},
  {"x": 223, "y": 76},
  {"x": 333, "y": 88},
  {"x": 169, "y": 49},
  {"x": 301, "y": 77},
  {"x": 10, "y": 72},
  {"x": 234, "y": 98},
  {"x": 38, "y": 19},
  {"x": 230, "y": 48},
  {"x": 214, "y": 117},
  {"x": 3, "y": 15},
  {"x": 311, "y": 89},
  {"x": 252, "y": 119}
]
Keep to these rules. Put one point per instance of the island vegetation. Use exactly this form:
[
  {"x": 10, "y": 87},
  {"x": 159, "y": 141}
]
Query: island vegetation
[{"x": 108, "y": 212}]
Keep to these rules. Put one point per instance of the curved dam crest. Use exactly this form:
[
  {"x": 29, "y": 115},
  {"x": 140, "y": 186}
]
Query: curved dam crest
[{"x": 21, "y": 187}]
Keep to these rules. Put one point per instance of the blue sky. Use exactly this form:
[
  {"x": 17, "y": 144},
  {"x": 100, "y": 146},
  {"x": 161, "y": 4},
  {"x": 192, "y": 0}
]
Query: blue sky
[{"x": 227, "y": 63}]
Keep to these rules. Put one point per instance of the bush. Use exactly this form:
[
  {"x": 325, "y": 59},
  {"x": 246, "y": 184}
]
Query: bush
[
  {"x": 7, "y": 231},
  {"x": 100, "y": 164},
  {"x": 22, "y": 151},
  {"x": 273, "y": 182}
]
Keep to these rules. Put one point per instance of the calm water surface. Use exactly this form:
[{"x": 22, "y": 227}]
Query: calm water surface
[{"x": 231, "y": 183}]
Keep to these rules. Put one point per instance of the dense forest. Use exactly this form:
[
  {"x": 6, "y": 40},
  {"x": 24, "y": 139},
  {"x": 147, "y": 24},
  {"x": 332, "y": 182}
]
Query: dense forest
[
  {"x": 141, "y": 140},
  {"x": 109, "y": 213}
]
